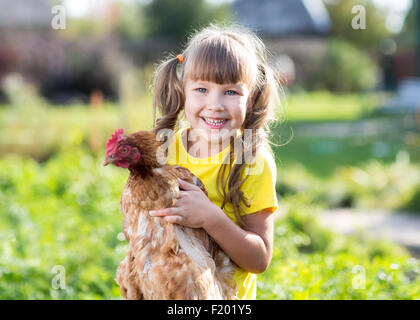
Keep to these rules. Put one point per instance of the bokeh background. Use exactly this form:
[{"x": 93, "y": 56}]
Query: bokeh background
[{"x": 347, "y": 141}]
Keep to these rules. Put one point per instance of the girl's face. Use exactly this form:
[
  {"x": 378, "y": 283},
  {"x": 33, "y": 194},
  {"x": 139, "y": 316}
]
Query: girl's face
[{"x": 214, "y": 107}]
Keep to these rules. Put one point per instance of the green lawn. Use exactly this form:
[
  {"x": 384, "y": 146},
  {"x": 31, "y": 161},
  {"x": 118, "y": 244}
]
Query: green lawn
[
  {"x": 322, "y": 155},
  {"x": 326, "y": 106}
]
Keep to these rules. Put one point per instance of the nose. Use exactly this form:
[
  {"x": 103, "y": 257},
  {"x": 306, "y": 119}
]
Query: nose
[{"x": 215, "y": 103}]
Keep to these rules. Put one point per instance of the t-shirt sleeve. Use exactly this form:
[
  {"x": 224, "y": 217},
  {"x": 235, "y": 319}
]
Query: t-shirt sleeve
[{"x": 260, "y": 187}]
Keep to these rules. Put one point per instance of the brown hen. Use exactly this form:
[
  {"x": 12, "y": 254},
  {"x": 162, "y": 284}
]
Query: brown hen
[{"x": 164, "y": 261}]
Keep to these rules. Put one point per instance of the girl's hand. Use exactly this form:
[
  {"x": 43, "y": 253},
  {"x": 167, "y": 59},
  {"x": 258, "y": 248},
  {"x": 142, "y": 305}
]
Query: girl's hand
[{"x": 192, "y": 207}]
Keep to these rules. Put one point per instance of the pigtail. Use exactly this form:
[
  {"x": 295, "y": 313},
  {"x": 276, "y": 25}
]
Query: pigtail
[
  {"x": 259, "y": 113},
  {"x": 168, "y": 96},
  {"x": 261, "y": 103}
]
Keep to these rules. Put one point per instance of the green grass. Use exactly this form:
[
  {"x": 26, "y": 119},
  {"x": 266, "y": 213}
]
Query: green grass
[
  {"x": 321, "y": 155},
  {"x": 326, "y": 106},
  {"x": 61, "y": 213},
  {"x": 394, "y": 186},
  {"x": 39, "y": 131},
  {"x": 310, "y": 262}
]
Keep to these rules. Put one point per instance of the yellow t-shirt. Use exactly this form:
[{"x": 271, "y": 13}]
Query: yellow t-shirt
[{"x": 259, "y": 189}]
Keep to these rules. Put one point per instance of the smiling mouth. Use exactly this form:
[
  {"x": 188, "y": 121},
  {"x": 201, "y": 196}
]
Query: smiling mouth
[{"x": 215, "y": 122}]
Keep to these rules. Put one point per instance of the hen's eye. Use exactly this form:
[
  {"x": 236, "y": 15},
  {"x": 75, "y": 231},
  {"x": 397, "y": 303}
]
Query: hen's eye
[{"x": 124, "y": 150}]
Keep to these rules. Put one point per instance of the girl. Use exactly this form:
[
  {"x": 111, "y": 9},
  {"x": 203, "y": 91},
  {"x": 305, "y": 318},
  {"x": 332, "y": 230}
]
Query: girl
[{"x": 225, "y": 89}]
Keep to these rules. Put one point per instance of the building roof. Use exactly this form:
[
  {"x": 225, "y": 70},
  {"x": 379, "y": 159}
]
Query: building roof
[
  {"x": 282, "y": 18},
  {"x": 14, "y": 13}
]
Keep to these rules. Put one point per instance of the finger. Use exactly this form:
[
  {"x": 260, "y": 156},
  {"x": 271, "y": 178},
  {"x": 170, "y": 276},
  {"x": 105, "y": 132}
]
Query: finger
[
  {"x": 173, "y": 219},
  {"x": 186, "y": 185},
  {"x": 163, "y": 212},
  {"x": 182, "y": 194}
]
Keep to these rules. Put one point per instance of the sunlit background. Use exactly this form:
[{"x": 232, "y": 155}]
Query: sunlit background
[{"x": 347, "y": 140}]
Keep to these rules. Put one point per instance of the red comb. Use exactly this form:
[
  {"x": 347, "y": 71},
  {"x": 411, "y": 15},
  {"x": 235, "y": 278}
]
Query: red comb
[{"x": 112, "y": 143}]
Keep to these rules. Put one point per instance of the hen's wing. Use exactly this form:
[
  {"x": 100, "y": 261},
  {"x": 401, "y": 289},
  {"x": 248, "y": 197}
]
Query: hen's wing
[
  {"x": 185, "y": 174},
  {"x": 212, "y": 247},
  {"x": 225, "y": 268}
]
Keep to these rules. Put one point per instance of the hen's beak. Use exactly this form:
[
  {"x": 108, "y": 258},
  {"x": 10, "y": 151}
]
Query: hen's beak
[{"x": 109, "y": 159}]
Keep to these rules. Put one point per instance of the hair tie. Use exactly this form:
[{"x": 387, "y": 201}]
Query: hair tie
[{"x": 180, "y": 58}]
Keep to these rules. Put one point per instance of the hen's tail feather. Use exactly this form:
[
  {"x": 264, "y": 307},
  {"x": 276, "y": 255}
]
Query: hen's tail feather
[
  {"x": 126, "y": 279},
  {"x": 224, "y": 274}
]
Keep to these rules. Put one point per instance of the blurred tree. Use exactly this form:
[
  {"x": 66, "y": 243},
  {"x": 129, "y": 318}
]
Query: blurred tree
[
  {"x": 345, "y": 68},
  {"x": 413, "y": 23},
  {"x": 131, "y": 23},
  {"x": 409, "y": 37},
  {"x": 55, "y": 2},
  {"x": 341, "y": 16},
  {"x": 409, "y": 22},
  {"x": 175, "y": 19}
]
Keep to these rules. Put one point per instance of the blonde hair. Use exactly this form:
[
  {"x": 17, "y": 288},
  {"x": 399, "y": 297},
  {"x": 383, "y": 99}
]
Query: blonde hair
[{"x": 222, "y": 54}]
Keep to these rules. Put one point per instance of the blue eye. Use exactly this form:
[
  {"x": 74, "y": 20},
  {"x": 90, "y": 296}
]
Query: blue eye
[
  {"x": 201, "y": 89},
  {"x": 234, "y": 92}
]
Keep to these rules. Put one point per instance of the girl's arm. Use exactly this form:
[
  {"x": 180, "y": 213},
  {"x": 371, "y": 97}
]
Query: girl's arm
[{"x": 250, "y": 248}]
